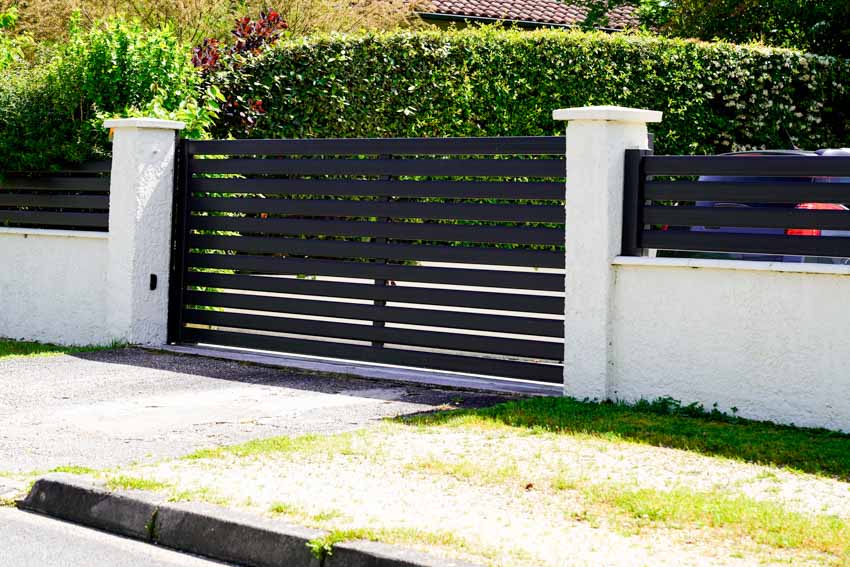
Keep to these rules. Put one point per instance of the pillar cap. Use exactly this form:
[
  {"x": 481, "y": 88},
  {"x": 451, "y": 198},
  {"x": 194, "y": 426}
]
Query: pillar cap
[
  {"x": 608, "y": 113},
  {"x": 151, "y": 123}
]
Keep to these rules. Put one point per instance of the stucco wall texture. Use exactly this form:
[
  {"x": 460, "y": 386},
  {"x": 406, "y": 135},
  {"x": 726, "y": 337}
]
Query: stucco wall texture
[
  {"x": 773, "y": 344},
  {"x": 53, "y": 285},
  {"x": 82, "y": 288}
]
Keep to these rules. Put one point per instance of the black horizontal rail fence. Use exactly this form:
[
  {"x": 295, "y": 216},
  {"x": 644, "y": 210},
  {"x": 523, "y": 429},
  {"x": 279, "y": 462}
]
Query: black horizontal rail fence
[
  {"x": 662, "y": 192},
  {"x": 75, "y": 197},
  {"x": 437, "y": 253}
]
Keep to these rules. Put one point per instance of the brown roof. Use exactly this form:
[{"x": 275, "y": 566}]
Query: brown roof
[{"x": 540, "y": 11}]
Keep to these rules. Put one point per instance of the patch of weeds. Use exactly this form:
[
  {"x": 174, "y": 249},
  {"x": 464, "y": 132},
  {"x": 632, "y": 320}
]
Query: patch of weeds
[
  {"x": 286, "y": 509},
  {"x": 73, "y": 469},
  {"x": 664, "y": 423},
  {"x": 7, "y": 502},
  {"x": 327, "y": 515},
  {"x": 293, "y": 510},
  {"x": 204, "y": 494},
  {"x": 10, "y": 348},
  {"x": 585, "y": 516},
  {"x": 323, "y": 547},
  {"x": 468, "y": 470},
  {"x": 767, "y": 475},
  {"x": 135, "y": 483},
  {"x": 561, "y": 482},
  {"x": 349, "y": 443},
  {"x": 763, "y": 522},
  {"x": 150, "y": 527}
]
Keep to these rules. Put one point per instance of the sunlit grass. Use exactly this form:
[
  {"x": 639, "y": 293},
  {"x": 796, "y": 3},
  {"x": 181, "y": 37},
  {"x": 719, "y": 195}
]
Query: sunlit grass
[
  {"x": 10, "y": 348},
  {"x": 663, "y": 424}
]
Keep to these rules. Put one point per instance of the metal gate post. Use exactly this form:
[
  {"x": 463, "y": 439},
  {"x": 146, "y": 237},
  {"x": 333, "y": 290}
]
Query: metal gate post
[
  {"x": 633, "y": 201},
  {"x": 179, "y": 227}
]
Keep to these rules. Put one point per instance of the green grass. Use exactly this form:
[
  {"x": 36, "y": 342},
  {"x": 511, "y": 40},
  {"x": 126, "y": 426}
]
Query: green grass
[
  {"x": 73, "y": 469},
  {"x": 467, "y": 470},
  {"x": 10, "y": 348},
  {"x": 287, "y": 509},
  {"x": 310, "y": 444},
  {"x": 322, "y": 547},
  {"x": 764, "y": 522},
  {"x": 665, "y": 423},
  {"x": 737, "y": 516},
  {"x": 135, "y": 483}
]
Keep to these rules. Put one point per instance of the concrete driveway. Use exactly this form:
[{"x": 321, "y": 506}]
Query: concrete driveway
[{"x": 109, "y": 408}]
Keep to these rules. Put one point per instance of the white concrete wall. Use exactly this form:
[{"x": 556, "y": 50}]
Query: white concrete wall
[
  {"x": 53, "y": 285},
  {"x": 81, "y": 288},
  {"x": 772, "y": 340}
]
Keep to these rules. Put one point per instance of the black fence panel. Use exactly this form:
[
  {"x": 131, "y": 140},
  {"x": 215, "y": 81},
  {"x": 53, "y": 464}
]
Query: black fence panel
[
  {"x": 74, "y": 198},
  {"x": 445, "y": 254},
  {"x": 786, "y": 205}
]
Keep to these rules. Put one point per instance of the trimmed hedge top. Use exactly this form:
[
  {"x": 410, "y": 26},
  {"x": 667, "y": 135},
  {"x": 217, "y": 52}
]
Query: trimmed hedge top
[{"x": 716, "y": 97}]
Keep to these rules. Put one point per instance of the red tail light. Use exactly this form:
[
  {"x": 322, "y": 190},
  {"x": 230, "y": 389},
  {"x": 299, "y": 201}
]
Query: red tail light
[
  {"x": 802, "y": 232},
  {"x": 812, "y": 207}
]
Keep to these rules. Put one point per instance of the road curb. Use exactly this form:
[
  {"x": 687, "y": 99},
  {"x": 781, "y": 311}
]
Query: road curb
[
  {"x": 83, "y": 501},
  {"x": 202, "y": 529}
]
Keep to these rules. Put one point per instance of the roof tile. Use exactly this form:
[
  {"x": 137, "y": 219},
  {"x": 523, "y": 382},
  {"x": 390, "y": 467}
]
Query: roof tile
[{"x": 542, "y": 11}]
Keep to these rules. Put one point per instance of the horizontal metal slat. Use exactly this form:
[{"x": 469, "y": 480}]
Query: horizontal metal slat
[
  {"x": 343, "y": 249},
  {"x": 90, "y": 220},
  {"x": 71, "y": 184},
  {"x": 747, "y": 243},
  {"x": 760, "y": 166},
  {"x": 394, "y": 230},
  {"x": 403, "y": 294},
  {"x": 384, "y": 188},
  {"x": 408, "y": 315},
  {"x": 58, "y": 201},
  {"x": 790, "y": 193},
  {"x": 85, "y": 168},
  {"x": 485, "y": 366},
  {"x": 407, "y": 337},
  {"x": 414, "y": 167},
  {"x": 525, "y": 145},
  {"x": 316, "y": 207},
  {"x": 747, "y": 217},
  {"x": 372, "y": 270}
]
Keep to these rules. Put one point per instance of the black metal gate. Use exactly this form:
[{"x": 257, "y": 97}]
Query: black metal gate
[{"x": 435, "y": 253}]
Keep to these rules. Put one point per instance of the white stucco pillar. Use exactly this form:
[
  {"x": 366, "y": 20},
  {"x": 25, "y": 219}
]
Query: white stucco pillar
[
  {"x": 140, "y": 201},
  {"x": 597, "y": 137}
]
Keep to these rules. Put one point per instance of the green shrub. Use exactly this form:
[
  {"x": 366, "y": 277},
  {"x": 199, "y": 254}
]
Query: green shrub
[
  {"x": 715, "y": 96},
  {"x": 476, "y": 82},
  {"x": 51, "y": 111}
]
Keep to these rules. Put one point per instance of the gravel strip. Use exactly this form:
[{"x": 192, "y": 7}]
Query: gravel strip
[{"x": 498, "y": 500}]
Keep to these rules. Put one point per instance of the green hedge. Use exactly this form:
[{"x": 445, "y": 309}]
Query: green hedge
[
  {"x": 475, "y": 82},
  {"x": 52, "y": 110},
  {"x": 715, "y": 97}
]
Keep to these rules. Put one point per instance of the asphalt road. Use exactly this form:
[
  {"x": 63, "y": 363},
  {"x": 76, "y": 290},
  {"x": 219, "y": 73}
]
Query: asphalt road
[{"x": 29, "y": 540}]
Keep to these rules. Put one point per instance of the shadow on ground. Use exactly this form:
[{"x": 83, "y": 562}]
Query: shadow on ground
[
  {"x": 664, "y": 423},
  {"x": 306, "y": 380}
]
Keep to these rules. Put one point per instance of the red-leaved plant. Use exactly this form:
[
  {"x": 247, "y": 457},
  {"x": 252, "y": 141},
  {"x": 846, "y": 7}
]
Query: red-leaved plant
[{"x": 220, "y": 64}]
